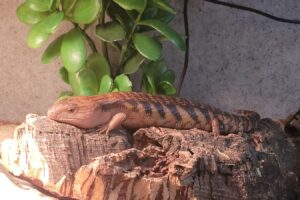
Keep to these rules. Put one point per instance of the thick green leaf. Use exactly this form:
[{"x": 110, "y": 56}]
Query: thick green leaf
[
  {"x": 110, "y": 32},
  {"x": 84, "y": 82},
  {"x": 68, "y": 6},
  {"x": 164, "y": 29},
  {"x": 73, "y": 52},
  {"x": 86, "y": 11},
  {"x": 133, "y": 64},
  {"x": 53, "y": 50},
  {"x": 29, "y": 16},
  {"x": 148, "y": 85},
  {"x": 155, "y": 69},
  {"x": 50, "y": 23},
  {"x": 41, "y": 31},
  {"x": 161, "y": 38},
  {"x": 99, "y": 65},
  {"x": 164, "y": 16},
  {"x": 116, "y": 13},
  {"x": 162, "y": 4},
  {"x": 138, "y": 5},
  {"x": 64, "y": 75},
  {"x": 123, "y": 83},
  {"x": 167, "y": 88},
  {"x": 147, "y": 46},
  {"x": 152, "y": 72},
  {"x": 36, "y": 39},
  {"x": 168, "y": 75},
  {"x": 40, "y": 5},
  {"x": 106, "y": 85},
  {"x": 149, "y": 13},
  {"x": 65, "y": 94}
]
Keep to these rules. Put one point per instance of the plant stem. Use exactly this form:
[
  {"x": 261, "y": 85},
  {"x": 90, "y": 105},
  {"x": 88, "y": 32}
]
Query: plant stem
[
  {"x": 102, "y": 21},
  {"x": 128, "y": 41}
]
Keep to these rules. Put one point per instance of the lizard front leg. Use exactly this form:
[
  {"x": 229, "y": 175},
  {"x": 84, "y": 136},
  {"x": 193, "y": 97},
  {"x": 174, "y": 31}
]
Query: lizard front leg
[{"x": 114, "y": 123}]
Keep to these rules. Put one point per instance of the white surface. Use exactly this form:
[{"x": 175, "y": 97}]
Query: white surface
[{"x": 9, "y": 191}]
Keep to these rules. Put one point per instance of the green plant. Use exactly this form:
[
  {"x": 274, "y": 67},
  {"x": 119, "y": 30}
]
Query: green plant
[{"x": 136, "y": 28}]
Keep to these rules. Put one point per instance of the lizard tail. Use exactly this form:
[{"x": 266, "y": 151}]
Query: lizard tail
[{"x": 243, "y": 121}]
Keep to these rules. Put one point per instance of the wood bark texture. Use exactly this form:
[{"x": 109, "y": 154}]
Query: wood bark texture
[{"x": 153, "y": 163}]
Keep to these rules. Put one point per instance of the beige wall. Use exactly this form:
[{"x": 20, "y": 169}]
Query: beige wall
[
  {"x": 238, "y": 60},
  {"x": 27, "y": 86}
]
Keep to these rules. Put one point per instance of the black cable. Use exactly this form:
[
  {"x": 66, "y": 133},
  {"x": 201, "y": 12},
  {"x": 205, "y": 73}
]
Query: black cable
[
  {"x": 187, "y": 42},
  {"x": 232, "y": 5}
]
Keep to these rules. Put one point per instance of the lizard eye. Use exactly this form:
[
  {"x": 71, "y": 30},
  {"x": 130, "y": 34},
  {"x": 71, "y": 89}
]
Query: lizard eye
[{"x": 71, "y": 110}]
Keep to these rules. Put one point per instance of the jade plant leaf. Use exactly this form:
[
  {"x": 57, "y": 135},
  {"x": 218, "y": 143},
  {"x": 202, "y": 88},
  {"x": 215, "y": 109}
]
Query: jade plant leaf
[
  {"x": 68, "y": 6},
  {"x": 165, "y": 30},
  {"x": 164, "y": 16},
  {"x": 116, "y": 13},
  {"x": 86, "y": 11},
  {"x": 29, "y": 16},
  {"x": 99, "y": 65},
  {"x": 154, "y": 69},
  {"x": 122, "y": 83},
  {"x": 157, "y": 78},
  {"x": 106, "y": 84},
  {"x": 147, "y": 46},
  {"x": 36, "y": 39},
  {"x": 147, "y": 85},
  {"x": 138, "y": 5},
  {"x": 167, "y": 88},
  {"x": 40, "y": 5},
  {"x": 41, "y": 31},
  {"x": 53, "y": 50},
  {"x": 73, "y": 52},
  {"x": 84, "y": 82},
  {"x": 133, "y": 64},
  {"x": 110, "y": 32},
  {"x": 149, "y": 12},
  {"x": 50, "y": 23},
  {"x": 64, "y": 75},
  {"x": 162, "y": 4},
  {"x": 168, "y": 75}
]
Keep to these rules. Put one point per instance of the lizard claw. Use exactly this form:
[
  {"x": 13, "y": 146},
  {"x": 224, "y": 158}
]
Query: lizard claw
[{"x": 104, "y": 130}]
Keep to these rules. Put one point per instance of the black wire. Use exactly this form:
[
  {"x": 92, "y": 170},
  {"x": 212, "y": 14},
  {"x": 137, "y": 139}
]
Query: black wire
[
  {"x": 187, "y": 42},
  {"x": 232, "y": 5}
]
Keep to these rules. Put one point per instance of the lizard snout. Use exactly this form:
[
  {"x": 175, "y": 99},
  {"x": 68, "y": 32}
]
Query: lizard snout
[{"x": 51, "y": 113}]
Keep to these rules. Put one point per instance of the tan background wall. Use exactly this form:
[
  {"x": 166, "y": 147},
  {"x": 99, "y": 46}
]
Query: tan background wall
[
  {"x": 238, "y": 60},
  {"x": 27, "y": 86}
]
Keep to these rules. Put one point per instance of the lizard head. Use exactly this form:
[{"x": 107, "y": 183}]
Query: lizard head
[{"x": 80, "y": 111}]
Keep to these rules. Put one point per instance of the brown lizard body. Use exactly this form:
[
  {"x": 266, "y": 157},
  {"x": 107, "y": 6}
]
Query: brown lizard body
[{"x": 137, "y": 110}]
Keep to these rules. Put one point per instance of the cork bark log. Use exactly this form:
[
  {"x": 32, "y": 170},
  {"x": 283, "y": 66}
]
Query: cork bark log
[{"x": 152, "y": 163}]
